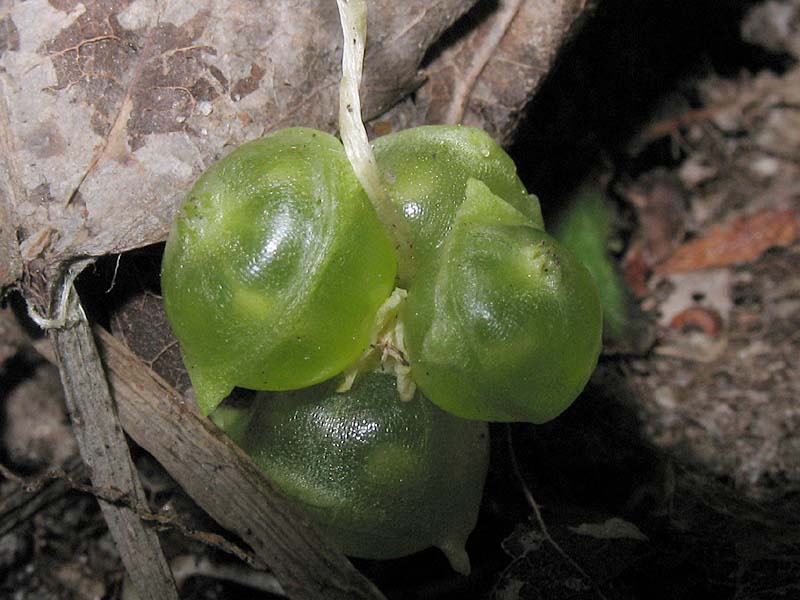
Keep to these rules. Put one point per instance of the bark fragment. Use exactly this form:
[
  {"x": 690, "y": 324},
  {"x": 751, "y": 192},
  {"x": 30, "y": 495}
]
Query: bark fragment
[{"x": 104, "y": 449}]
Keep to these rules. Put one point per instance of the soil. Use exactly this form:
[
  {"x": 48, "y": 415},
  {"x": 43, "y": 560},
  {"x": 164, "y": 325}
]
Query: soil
[{"x": 677, "y": 473}]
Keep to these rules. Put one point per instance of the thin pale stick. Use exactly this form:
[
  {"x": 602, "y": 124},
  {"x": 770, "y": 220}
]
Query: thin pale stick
[
  {"x": 103, "y": 447},
  {"x": 353, "y": 16}
]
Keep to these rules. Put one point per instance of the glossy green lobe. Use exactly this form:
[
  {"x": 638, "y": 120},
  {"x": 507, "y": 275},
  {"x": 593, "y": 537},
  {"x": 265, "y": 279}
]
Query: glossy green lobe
[
  {"x": 382, "y": 478},
  {"x": 275, "y": 267},
  {"x": 505, "y": 324},
  {"x": 426, "y": 169}
]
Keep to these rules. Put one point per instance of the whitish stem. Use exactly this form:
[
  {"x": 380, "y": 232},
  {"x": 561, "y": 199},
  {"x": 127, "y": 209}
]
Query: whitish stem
[
  {"x": 353, "y": 16},
  {"x": 387, "y": 349}
]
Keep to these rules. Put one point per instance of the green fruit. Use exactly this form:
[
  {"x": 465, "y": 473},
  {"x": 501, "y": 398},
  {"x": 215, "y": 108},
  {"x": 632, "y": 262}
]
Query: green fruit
[
  {"x": 426, "y": 169},
  {"x": 382, "y": 478},
  {"x": 233, "y": 416},
  {"x": 505, "y": 324},
  {"x": 275, "y": 267}
]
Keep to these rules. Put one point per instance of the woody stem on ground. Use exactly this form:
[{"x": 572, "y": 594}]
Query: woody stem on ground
[{"x": 102, "y": 444}]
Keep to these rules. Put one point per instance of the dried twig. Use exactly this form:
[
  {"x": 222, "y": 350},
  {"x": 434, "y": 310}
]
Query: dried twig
[
  {"x": 500, "y": 22},
  {"x": 34, "y": 494},
  {"x": 32, "y": 485},
  {"x": 674, "y": 124},
  {"x": 540, "y": 520},
  {"x": 105, "y": 451}
]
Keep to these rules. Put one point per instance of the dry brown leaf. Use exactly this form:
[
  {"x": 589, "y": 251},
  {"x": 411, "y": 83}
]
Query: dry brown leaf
[
  {"x": 635, "y": 270},
  {"x": 741, "y": 240},
  {"x": 698, "y": 318},
  {"x": 486, "y": 77},
  {"x": 110, "y": 109}
]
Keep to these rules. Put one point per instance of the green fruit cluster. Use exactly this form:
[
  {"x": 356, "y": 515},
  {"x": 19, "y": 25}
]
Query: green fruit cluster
[{"x": 273, "y": 277}]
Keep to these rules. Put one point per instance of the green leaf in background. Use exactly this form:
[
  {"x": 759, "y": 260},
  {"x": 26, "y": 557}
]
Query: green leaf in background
[{"x": 585, "y": 227}]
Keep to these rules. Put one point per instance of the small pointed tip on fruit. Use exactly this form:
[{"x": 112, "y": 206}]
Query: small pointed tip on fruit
[
  {"x": 233, "y": 420},
  {"x": 209, "y": 392},
  {"x": 457, "y": 555}
]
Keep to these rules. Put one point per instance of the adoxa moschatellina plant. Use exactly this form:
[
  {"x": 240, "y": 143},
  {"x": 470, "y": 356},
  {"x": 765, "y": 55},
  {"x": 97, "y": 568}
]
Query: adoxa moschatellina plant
[{"x": 299, "y": 264}]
